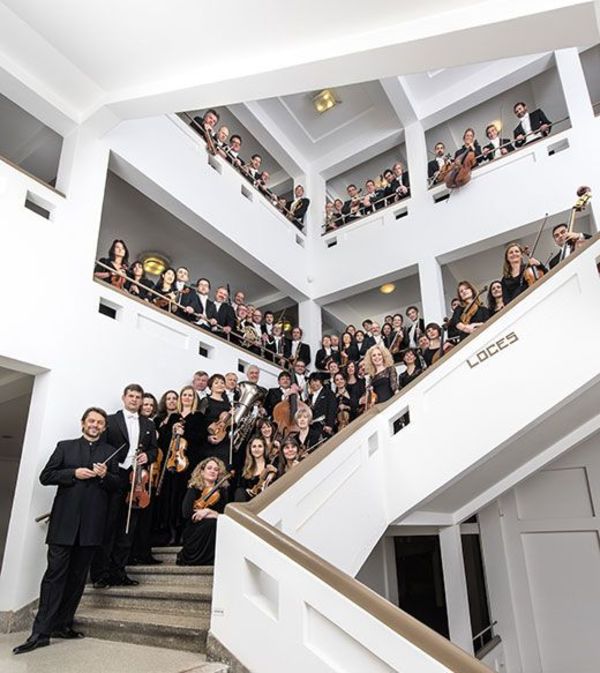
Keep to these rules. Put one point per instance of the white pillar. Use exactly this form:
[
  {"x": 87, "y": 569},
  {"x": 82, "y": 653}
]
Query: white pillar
[
  {"x": 315, "y": 191},
  {"x": 455, "y": 587},
  {"x": 416, "y": 157},
  {"x": 310, "y": 320},
  {"x": 574, "y": 87},
  {"x": 432, "y": 290}
]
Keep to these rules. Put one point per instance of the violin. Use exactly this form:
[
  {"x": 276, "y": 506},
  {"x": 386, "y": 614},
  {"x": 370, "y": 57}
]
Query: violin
[
  {"x": 460, "y": 170},
  {"x": 532, "y": 272},
  {"x": 117, "y": 280},
  {"x": 139, "y": 493},
  {"x": 211, "y": 494},
  {"x": 266, "y": 477},
  {"x": 155, "y": 469},
  {"x": 343, "y": 417},
  {"x": 472, "y": 308},
  {"x": 177, "y": 460},
  {"x": 370, "y": 398},
  {"x": 217, "y": 430}
]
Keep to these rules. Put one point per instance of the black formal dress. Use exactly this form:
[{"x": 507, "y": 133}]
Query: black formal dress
[
  {"x": 405, "y": 378},
  {"x": 212, "y": 409},
  {"x": 110, "y": 560},
  {"x": 481, "y": 315},
  {"x": 513, "y": 286},
  {"x": 140, "y": 289},
  {"x": 77, "y": 524},
  {"x": 115, "y": 279},
  {"x": 199, "y": 537},
  {"x": 385, "y": 384}
]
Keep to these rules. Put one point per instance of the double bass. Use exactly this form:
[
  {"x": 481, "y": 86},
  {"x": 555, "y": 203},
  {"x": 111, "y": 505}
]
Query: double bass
[{"x": 284, "y": 414}]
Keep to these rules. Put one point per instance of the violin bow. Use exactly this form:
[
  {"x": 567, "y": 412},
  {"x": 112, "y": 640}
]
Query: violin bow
[{"x": 537, "y": 238}]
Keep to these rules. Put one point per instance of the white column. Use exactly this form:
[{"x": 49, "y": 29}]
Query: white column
[
  {"x": 309, "y": 319},
  {"x": 416, "y": 157},
  {"x": 315, "y": 190},
  {"x": 455, "y": 587},
  {"x": 574, "y": 87},
  {"x": 432, "y": 290}
]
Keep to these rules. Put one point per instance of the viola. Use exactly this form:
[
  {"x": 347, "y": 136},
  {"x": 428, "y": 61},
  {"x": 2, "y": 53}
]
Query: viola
[
  {"x": 217, "y": 430},
  {"x": 177, "y": 460}
]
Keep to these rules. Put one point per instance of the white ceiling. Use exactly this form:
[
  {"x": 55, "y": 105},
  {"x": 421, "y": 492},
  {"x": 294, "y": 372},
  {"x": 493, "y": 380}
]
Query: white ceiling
[{"x": 146, "y": 227}]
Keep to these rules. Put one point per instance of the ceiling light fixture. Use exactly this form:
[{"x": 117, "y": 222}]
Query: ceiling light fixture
[
  {"x": 387, "y": 288},
  {"x": 324, "y": 100},
  {"x": 498, "y": 124},
  {"x": 154, "y": 263}
]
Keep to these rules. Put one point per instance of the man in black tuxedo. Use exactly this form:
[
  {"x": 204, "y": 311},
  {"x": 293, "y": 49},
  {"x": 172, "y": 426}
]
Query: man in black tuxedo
[
  {"x": 278, "y": 346},
  {"x": 297, "y": 349},
  {"x": 361, "y": 343},
  {"x": 85, "y": 473},
  {"x": 326, "y": 354},
  {"x": 532, "y": 125},
  {"x": 206, "y": 124},
  {"x": 223, "y": 319},
  {"x": 323, "y": 403},
  {"x": 566, "y": 241},
  {"x": 186, "y": 296},
  {"x": 276, "y": 395},
  {"x": 298, "y": 207},
  {"x": 206, "y": 305},
  {"x": 373, "y": 199},
  {"x": 497, "y": 147},
  {"x": 137, "y": 435},
  {"x": 436, "y": 164}
]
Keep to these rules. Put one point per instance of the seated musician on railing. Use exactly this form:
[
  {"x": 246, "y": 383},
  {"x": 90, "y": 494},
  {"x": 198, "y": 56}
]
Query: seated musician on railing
[
  {"x": 118, "y": 259},
  {"x": 532, "y": 125},
  {"x": 497, "y": 147},
  {"x": 470, "y": 313}
]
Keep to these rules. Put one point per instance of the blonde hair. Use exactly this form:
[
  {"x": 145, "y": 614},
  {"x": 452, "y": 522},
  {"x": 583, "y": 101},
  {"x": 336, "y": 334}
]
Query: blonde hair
[
  {"x": 194, "y": 403},
  {"x": 250, "y": 463},
  {"x": 303, "y": 412},
  {"x": 197, "y": 480},
  {"x": 388, "y": 359}
]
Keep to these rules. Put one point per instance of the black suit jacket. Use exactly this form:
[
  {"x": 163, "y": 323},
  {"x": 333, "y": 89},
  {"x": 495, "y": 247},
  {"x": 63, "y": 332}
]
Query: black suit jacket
[
  {"x": 274, "y": 396},
  {"x": 301, "y": 210},
  {"x": 303, "y": 352},
  {"x": 536, "y": 118},
  {"x": 225, "y": 315},
  {"x": 432, "y": 168},
  {"x": 188, "y": 297},
  {"x": 556, "y": 259},
  {"x": 321, "y": 358},
  {"x": 325, "y": 405},
  {"x": 116, "y": 435},
  {"x": 504, "y": 142},
  {"x": 363, "y": 347},
  {"x": 477, "y": 149},
  {"x": 210, "y": 307},
  {"x": 80, "y": 505}
]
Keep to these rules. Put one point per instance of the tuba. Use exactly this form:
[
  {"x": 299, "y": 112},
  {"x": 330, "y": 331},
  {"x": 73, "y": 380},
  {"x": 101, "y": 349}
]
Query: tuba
[{"x": 244, "y": 416}]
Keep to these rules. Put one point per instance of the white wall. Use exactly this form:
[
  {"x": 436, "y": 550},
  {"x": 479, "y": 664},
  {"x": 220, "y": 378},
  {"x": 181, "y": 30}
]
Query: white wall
[{"x": 549, "y": 531}]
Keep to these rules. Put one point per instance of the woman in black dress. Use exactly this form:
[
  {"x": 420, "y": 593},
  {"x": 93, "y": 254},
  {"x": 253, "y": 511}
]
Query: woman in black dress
[
  {"x": 200, "y": 532},
  {"x": 410, "y": 357},
  {"x": 142, "y": 283},
  {"x": 470, "y": 312},
  {"x": 435, "y": 348},
  {"x": 495, "y": 300},
  {"x": 255, "y": 466},
  {"x": 347, "y": 403},
  {"x": 212, "y": 407},
  {"x": 118, "y": 259},
  {"x": 289, "y": 457},
  {"x": 348, "y": 351},
  {"x": 513, "y": 281},
  {"x": 266, "y": 430},
  {"x": 308, "y": 435},
  {"x": 355, "y": 384},
  {"x": 379, "y": 366},
  {"x": 165, "y": 286}
]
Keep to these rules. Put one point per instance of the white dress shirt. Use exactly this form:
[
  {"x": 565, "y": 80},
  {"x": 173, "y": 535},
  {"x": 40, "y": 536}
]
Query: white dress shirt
[{"x": 132, "y": 422}]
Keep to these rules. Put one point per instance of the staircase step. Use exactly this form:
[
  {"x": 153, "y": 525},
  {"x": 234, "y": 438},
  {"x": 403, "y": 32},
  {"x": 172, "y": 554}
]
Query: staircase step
[
  {"x": 166, "y": 554},
  {"x": 163, "y": 598},
  {"x": 172, "y": 574},
  {"x": 143, "y": 627}
]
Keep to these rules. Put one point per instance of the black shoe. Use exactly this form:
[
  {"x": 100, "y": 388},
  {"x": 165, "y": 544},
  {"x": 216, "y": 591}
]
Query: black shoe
[
  {"x": 67, "y": 633},
  {"x": 34, "y": 641},
  {"x": 125, "y": 581},
  {"x": 103, "y": 583}
]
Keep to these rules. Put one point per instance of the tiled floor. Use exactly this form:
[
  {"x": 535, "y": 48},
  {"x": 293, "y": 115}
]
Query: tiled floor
[{"x": 99, "y": 656}]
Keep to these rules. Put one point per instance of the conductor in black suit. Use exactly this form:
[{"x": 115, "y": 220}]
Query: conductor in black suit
[
  {"x": 532, "y": 125},
  {"x": 85, "y": 473},
  {"x": 137, "y": 437}
]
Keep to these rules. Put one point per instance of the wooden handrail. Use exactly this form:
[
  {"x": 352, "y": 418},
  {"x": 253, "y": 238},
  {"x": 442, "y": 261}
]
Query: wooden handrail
[{"x": 406, "y": 626}]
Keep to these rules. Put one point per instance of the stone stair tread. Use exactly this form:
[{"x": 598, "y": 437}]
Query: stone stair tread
[
  {"x": 167, "y": 591},
  {"x": 160, "y": 620},
  {"x": 166, "y": 550},
  {"x": 170, "y": 569}
]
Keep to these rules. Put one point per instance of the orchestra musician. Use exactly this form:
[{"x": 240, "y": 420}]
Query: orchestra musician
[
  {"x": 297, "y": 349},
  {"x": 399, "y": 185},
  {"x": 224, "y": 315},
  {"x": 413, "y": 368},
  {"x": 513, "y": 281},
  {"x": 325, "y": 354},
  {"x": 136, "y": 273},
  {"x": 266, "y": 430},
  {"x": 497, "y": 147},
  {"x": 379, "y": 366},
  {"x": 118, "y": 259},
  {"x": 374, "y": 199},
  {"x": 200, "y": 532},
  {"x": 256, "y": 465},
  {"x": 437, "y": 163},
  {"x": 470, "y": 144},
  {"x": 417, "y": 326},
  {"x": 232, "y": 151},
  {"x": 206, "y": 123},
  {"x": 347, "y": 403},
  {"x": 252, "y": 169},
  {"x": 355, "y": 384},
  {"x": 289, "y": 456},
  {"x": 298, "y": 207},
  {"x": 495, "y": 299},
  {"x": 348, "y": 349},
  {"x": 435, "y": 348},
  {"x": 566, "y": 241},
  {"x": 85, "y": 475},
  {"x": 322, "y": 403},
  {"x": 212, "y": 408},
  {"x": 308, "y": 434},
  {"x": 221, "y": 138},
  {"x": 470, "y": 313},
  {"x": 206, "y": 308},
  {"x": 165, "y": 286},
  {"x": 276, "y": 395},
  {"x": 351, "y": 207},
  {"x": 278, "y": 346},
  {"x": 137, "y": 435},
  {"x": 532, "y": 125},
  {"x": 186, "y": 296},
  {"x": 300, "y": 379}
]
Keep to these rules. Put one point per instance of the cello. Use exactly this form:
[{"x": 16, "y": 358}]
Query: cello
[
  {"x": 284, "y": 414},
  {"x": 460, "y": 171}
]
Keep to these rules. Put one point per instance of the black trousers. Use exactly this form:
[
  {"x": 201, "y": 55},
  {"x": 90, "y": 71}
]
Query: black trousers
[
  {"x": 111, "y": 558},
  {"x": 62, "y": 587}
]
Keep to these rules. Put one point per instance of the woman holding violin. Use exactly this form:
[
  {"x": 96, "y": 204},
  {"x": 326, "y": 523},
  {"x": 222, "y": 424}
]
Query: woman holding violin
[
  {"x": 118, "y": 260},
  {"x": 140, "y": 283},
  {"x": 165, "y": 286},
  {"x": 379, "y": 366},
  {"x": 435, "y": 348},
  {"x": 470, "y": 312},
  {"x": 258, "y": 472},
  {"x": 518, "y": 273},
  {"x": 348, "y": 350},
  {"x": 216, "y": 411},
  {"x": 204, "y": 500},
  {"x": 347, "y": 404}
]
